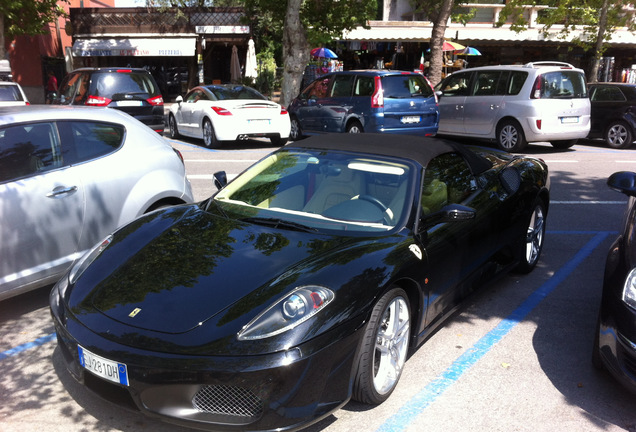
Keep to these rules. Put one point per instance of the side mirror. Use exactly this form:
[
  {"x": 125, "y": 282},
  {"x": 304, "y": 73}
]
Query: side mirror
[
  {"x": 624, "y": 182},
  {"x": 439, "y": 93},
  {"x": 220, "y": 179},
  {"x": 449, "y": 213},
  {"x": 179, "y": 99}
]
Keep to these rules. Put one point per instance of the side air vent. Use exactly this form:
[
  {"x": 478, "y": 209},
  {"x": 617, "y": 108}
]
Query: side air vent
[{"x": 510, "y": 179}]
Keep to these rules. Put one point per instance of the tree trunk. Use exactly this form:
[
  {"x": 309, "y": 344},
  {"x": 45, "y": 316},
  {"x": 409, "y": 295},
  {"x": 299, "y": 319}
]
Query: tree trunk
[
  {"x": 295, "y": 52},
  {"x": 3, "y": 53},
  {"x": 436, "y": 42},
  {"x": 598, "y": 47}
]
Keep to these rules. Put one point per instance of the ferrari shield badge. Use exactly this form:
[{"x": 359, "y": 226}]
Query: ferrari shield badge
[
  {"x": 134, "y": 312},
  {"x": 416, "y": 251}
]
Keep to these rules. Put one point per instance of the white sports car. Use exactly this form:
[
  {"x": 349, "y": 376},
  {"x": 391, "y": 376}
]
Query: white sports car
[{"x": 228, "y": 112}]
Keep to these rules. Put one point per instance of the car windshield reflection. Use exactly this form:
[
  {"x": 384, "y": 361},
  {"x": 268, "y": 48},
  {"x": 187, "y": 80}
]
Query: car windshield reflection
[{"x": 318, "y": 190}]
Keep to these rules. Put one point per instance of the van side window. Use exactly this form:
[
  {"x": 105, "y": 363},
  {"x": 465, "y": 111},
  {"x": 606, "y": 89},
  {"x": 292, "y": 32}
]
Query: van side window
[
  {"x": 486, "y": 83},
  {"x": 517, "y": 79},
  {"x": 456, "y": 85},
  {"x": 364, "y": 86},
  {"x": 28, "y": 150},
  {"x": 503, "y": 83},
  {"x": 319, "y": 88},
  {"x": 342, "y": 85}
]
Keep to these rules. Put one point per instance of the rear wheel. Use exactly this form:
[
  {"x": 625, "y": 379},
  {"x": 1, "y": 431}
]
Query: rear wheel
[
  {"x": 510, "y": 136},
  {"x": 384, "y": 347},
  {"x": 172, "y": 125},
  {"x": 618, "y": 135},
  {"x": 296, "y": 133},
  {"x": 209, "y": 138},
  {"x": 530, "y": 246},
  {"x": 354, "y": 127}
]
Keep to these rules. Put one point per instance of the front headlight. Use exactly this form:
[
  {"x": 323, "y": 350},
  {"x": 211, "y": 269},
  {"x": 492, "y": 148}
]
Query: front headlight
[
  {"x": 629, "y": 289},
  {"x": 87, "y": 259},
  {"x": 287, "y": 313}
]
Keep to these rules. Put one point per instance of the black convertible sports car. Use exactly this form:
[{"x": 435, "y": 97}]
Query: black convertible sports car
[
  {"x": 615, "y": 339},
  {"x": 299, "y": 285}
]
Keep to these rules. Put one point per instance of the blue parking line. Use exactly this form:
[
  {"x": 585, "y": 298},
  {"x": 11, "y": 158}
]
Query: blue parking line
[
  {"x": 36, "y": 343},
  {"x": 409, "y": 412}
]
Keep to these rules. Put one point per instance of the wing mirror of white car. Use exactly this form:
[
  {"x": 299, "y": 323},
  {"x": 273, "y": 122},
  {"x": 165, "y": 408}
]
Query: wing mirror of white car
[{"x": 179, "y": 99}]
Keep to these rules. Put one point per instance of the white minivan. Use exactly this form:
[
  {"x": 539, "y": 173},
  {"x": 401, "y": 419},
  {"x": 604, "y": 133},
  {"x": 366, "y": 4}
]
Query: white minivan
[{"x": 514, "y": 105}]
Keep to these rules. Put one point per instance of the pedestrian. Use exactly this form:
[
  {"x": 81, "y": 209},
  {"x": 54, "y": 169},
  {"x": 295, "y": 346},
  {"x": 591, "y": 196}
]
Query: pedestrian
[{"x": 51, "y": 88}]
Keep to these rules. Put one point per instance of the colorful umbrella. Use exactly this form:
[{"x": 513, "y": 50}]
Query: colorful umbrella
[
  {"x": 469, "y": 51},
  {"x": 452, "y": 46},
  {"x": 323, "y": 53}
]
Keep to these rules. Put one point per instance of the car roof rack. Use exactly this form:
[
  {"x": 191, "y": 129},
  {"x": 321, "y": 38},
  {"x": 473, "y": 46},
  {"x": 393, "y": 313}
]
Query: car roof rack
[{"x": 547, "y": 63}]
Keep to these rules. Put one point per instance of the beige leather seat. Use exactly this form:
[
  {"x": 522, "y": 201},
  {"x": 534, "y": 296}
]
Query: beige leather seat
[{"x": 340, "y": 185}]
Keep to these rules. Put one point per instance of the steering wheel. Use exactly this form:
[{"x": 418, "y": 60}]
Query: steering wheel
[{"x": 387, "y": 216}]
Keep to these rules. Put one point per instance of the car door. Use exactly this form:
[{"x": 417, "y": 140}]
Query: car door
[
  {"x": 454, "y": 90},
  {"x": 41, "y": 207},
  {"x": 456, "y": 250},
  {"x": 189, "y": 115},
  {"x": 607, "y": 103},
  {"x": 336, "y": 105},
  {"x": 481, "y": 107},
  {"x": 308, "y": 110}
]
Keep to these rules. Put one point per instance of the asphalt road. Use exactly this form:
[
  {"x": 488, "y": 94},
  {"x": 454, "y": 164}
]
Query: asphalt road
[{"x": 516, "y": 357}]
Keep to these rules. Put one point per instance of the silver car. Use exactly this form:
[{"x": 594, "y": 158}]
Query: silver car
[
  {"x": 12, "y": 94},
  {"x": 68, "y": 177}
]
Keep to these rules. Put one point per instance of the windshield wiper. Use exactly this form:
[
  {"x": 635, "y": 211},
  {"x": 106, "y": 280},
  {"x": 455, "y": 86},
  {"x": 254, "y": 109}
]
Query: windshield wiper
[{"x": 279, "y": 223}]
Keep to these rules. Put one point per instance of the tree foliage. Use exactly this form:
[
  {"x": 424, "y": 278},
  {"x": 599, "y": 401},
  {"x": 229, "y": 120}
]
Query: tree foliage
[
  {"x": 589, "y": 24},
  {"x": 26, "y": 17}
]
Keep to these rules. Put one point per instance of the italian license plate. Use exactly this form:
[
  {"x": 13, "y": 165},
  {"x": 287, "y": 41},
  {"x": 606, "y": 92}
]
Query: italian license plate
[
  {"x": 102, "y": 367},
  {"x": 569, "y": 119},
  {"x": 410, "y": 119},
  {"x": 128, "y": 103}
]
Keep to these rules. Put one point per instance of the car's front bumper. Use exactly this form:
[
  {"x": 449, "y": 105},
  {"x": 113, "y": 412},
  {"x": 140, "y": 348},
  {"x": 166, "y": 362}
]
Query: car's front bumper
[
  {"x": 619, "y": 355},
  {"x": 279, "y": 391}
]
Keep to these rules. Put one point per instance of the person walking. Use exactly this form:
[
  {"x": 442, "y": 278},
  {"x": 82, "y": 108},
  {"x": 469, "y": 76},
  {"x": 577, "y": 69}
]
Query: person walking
[{"x": 51, "y": 88}]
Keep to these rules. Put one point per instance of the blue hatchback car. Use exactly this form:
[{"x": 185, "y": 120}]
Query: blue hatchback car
[{"x": 379, "y": 101}]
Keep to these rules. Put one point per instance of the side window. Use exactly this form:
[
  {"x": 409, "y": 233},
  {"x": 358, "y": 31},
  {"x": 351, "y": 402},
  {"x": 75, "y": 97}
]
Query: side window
[
  {"x": 342, "y": 85},
  {"x": 456, "y": 85},
  {"x": 607, "y": 94},
  {"x": 517, "y": 79},
  {"x": 28, "y": 150},
  {"x": 447, "y": 180},
  {"x": 83, "y": 141},
  {"x": 486, "y": 83},
  {"x": 69, "y": 88},
  {"x": 319, "y": 89},
  {"x": 194, "y": 96},
  {"x": 364, "y": 86}
]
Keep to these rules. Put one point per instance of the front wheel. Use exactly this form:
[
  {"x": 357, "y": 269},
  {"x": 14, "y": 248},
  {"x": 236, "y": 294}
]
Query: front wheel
[
  {"x": 618, "y": 135},
  {"x": 531, "y": 244},
  {"x": 172, "y": 125},
  {"x": 354, "y": 127},
  {"x": 209, "y": 137},
  {"x": 384, "y": 347},
  {"x": 296, "y": 133},
  {"x": 510, "y": 136}
]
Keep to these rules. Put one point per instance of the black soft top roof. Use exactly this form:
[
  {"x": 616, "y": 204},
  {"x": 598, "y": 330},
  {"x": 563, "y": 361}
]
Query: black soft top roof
[{"x": 418, "y": 149}]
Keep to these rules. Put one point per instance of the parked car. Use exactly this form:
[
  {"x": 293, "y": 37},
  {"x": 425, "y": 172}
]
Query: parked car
[
  {"x": 300, "y": 284},
  {"x": 515, "y": 105},
  {"x": 615, "y": 337},
  {"x": 11, "y": 94},
  {"x": 613, "y": 113},
  {"x": 379, "y": 101},
  {"x": 227, "y": 112},
  {"x": 70, "y": 176},
  {"x": 131, "y": 90}
]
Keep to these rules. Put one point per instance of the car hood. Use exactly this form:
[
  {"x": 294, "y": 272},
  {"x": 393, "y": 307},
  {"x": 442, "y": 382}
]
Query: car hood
[{"x": 173, "y": 270}]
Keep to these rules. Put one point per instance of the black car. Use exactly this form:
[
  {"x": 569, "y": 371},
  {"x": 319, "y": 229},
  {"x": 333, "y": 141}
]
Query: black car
[
  {"x": 131, "y": 90},
  {"x": 613, "y": 115},
  {"x": 615, "y": 338},
  {"x": 299, "y": 285}
]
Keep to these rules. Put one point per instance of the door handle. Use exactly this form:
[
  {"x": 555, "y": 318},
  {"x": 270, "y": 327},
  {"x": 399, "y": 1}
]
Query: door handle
[
  {"x": 459, "y": 107},
  {"x": 492, "y": 107},
  {"x": 61, "y": 190}
]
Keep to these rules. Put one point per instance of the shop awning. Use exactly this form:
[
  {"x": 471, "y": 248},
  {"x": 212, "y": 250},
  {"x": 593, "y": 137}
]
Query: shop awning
[{"x": 135, "y": 47}]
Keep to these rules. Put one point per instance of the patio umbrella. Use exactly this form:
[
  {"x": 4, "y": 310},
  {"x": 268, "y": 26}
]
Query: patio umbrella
[
  {"x": 323, "y": 53},
  {"x": 452, "y": 46},
  {"x": 250, "y": 61},
  {"x": 235, "y": 66},
  {"x": 468, "y": 51}
]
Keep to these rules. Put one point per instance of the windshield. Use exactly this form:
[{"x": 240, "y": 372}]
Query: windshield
[{"x": 324, "y": 191}]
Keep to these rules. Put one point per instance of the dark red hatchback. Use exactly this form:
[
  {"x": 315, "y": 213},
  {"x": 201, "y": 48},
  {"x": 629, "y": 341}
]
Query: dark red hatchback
[{"x": 131, "y": 90}]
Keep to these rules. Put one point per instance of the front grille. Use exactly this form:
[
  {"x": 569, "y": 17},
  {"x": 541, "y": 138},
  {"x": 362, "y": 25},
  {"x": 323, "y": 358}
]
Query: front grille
[{"x": 228, "y": 400}]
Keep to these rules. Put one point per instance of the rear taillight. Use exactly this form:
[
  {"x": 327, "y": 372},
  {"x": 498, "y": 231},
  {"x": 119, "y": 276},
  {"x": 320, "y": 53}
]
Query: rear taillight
[
  {"x": 539, "y": 124},
  {"x": 124, "y": 71},
  {"x": 283, "y": 111},
  {"x": 377, "y": 98},
  {"x": 156, "y": 101},
  {"x": 97, "y": 101},
  {"x": 221, "y": 111},
  {"x": 536, "y": 89},
  {"x": 180, "y": 155}
]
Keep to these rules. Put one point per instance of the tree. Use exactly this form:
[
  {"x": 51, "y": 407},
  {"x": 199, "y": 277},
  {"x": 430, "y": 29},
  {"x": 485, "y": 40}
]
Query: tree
[
  {"x": 439, "y": 12},
  {"x": 302, "y": 25},
  {"x": 589, "y": 24},
  {"x": 26, "y": 17}
]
